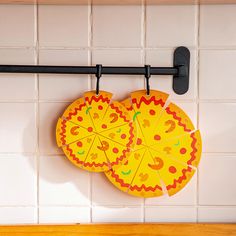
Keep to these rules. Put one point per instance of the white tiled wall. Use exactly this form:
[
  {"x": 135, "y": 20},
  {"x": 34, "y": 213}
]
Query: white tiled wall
[{"x": 38, "y": 184}]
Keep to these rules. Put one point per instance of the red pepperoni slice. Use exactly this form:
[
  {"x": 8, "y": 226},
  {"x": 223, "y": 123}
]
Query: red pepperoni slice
[
  {"x": 139, "y": 141},
  {"x": 172, "y": 169},
  {"x": 90, "y": 129},
  {"x": 79, "y": 144},
  {"x": 157, "y": 137},
  {"x": 183, "y": 150},
  {"x": 152, "y": 112},
  {"x": 115, "y": 150}
]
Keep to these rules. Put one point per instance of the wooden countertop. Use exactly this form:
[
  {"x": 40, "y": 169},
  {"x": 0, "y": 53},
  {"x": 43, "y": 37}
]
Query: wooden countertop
[{"x": 121, "y": 230}]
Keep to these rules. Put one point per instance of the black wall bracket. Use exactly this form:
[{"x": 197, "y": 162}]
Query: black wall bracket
[
  {"x": 180, "y": 70},
  {"x": 182, "y": 62}
]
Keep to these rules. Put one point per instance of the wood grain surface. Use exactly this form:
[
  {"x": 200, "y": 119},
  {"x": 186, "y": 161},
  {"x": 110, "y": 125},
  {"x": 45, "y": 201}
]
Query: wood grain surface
[{"x": 121, "y": 230}]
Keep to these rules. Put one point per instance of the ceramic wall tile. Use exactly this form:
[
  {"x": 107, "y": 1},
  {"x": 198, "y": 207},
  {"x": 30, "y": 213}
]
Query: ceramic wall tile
[
  {"x": 18, "y": 215},
  {"x": 48, "y": 116},
  {"x": 217, "y": 25},
  {"x": 17, "y": 182},
  {"x": 216, "y": 180},
  {"x": 17, "y": 25},
  {"x": 65, "y": 87},
  {"x": 117, "y": 26},
  {"x": 217, "y": 214},
  {"x": 64, "y": 215},
  {"x": 67, "y": 187},
  {"x": 170, "y": 214},
  {"x": 17, "y": 86},
  {"x": 218, "y": 127},
  {"x": 18, "y": 127},
  {"x": 171, "y": 26},
  {"x": 63, "y": 26},
  {"x": 112, "y": 214},
  {"x": 217, "y": 74}
]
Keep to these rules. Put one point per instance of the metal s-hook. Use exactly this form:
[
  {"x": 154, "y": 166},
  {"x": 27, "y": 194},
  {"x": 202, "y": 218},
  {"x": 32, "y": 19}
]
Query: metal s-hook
[
  {"x": 147, "y": 76},
  {"x": 98, "y": 75}
]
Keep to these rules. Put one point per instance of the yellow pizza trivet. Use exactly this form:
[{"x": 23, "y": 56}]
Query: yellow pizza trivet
[
  {"x": 167, "y": 150},
  {"x": 96, "y": 133}
]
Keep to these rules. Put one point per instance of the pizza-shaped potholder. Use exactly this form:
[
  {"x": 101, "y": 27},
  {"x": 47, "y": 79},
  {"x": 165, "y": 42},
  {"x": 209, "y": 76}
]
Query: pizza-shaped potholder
[
  {"x": 96, "y": 133},
  {"x": 167, "y": 150}
]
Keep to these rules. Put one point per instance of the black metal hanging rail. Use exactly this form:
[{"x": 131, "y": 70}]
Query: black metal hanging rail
[{"x": 180, "y": 70}]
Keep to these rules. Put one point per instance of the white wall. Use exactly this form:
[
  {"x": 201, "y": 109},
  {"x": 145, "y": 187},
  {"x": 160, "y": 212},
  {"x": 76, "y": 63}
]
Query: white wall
[{"x": 37, "y": 183}]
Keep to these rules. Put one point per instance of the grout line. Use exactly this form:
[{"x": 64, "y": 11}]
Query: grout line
[
  {"x": 198, "y": 95},
  {"x": 17, "y": 47},
  {"x": 16, "y": 206},
  {"x": 37, "y": 104},
  {"x": 90, "y": 23},
  {"x": 122, "y": 206},
  {"x": 184, "y": 100},
  {"x": 29, "y": 154},
  {"x": 220, "y": 153},
  {"x": 212, "y": 206},
  {"x": 143, "y": 60},
  {"x": 90, "y": 35},
  {"x": 216, "y": 48}
]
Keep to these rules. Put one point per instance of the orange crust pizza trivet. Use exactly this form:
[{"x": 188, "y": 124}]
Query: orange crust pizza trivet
[
  {"x": 166, "y": 152},
  {"x": 96, "y": 133}
]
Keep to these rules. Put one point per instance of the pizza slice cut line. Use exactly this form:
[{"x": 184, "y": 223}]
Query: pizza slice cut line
[
  {"x": 89, "y": 149},
  {"x": 174, "y": 137},
  {"x": 194, "y": 155},
  {"x": 110, "y": 140},
  {"x": 140, "y": 129},
  {"x": 67, "y": 132},
  {"x": 145, "y": 136},
  {"x": 130, "y": 182},
  {"x": 89, "y": 136},
  {"x": 131, "y": 163},
  {"x": 90, "y": 115},
  {"x": 164, "y": 186},
  {"x": 127, "y": 103},
  {"x": 112, "y": 128},
  {"x": 161, "y": 114},
  {"x": 179, "y": 182},
  {"x": 136, "y": 118},
  {"x": 171, "y": 157},
  {"x": 176, "y": 121},
  {"x": 137, "y": 149},
  {"x": 69, "y": 114},
  {"x": 104, "y": 164},
  {"x": 108, "y": 161},
  {"x": 138, "y": 167},
  {"x": 149, "y": 190},
  {"x": 116, "y": 116},
  {"x": 124, "y": 137},
  {"x": 122, "y": 156},
  {"x": 73, "y": 155},
  {"x": 96, "y": 98},
  {"x": 136, "y": 121},
  {"x": 89, "y": 128},
  {"x": 106, "y": 111},
  {"x": 177, "y": 113},
  {"x": 73, "y": 108}
]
